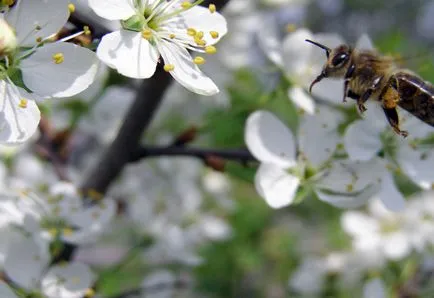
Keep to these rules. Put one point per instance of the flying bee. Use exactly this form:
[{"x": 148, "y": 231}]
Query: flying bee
[{"x": 368, "y": 74}]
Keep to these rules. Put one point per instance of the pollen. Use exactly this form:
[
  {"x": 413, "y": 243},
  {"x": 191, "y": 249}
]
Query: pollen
[
  {"x": 191, "y": 31},
  {"x": 210, "y": 50},
  {"x": 89, "y": 293},
  {"x": 199, "y": 34},
  {"x": 172, "y": 36},
  {"x": 212, "y": 8},
  {"x": 214, "y": 34},
  {"x": 86, "y": 30},
  {"x": 58, "y": 58},
  {"x": 199, "y": 42},
  {"x": 8, "y": 2},
  {"x": 199, "y": 60},
  {"x": 147, "y": 34},
  {"x": 186, "y": 5},
  {"x": 23, "y": 103},
  {"x": 350, "y": 187},
  {"x": 71, "y": 8},
  {"x": 38, "y": 39},
  {"x": 168, "y": 67}
]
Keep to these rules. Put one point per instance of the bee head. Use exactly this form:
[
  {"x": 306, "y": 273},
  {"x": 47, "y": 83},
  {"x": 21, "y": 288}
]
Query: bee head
[{"x": 337, "y": 62}]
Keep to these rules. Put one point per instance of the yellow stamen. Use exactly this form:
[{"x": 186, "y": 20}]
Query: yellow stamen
[
  {"x": 71, "y": 8},
  {"x": 168, "y": 67},
  {"x": 58, "y": 58},
  {"x": 23, "y": 103},
  {"x": 200, "y": 42},
  {"x": 89, "y": 293},
  {"x": 291, "y": 28},
  {"x": 86, "y": 30},
  {"x": 212, "y": 8},
  {"x": 38, "y": 27},
  {"x": 199, "y": 60},
  {"x": 172, "y": 36},
  {"x": 7, "y": 2},
  {"x": 185, "y": 4},
  {"x": 199, "y": 34},
  {"x": 147, "y": 34},
  {"x": 191, "y": 31},
  {"x": 214, "y": 34},
  {"x": 38, "y": 39},
  {"x": 53, "y": 232},
  {"x": 210, "y": 50}
]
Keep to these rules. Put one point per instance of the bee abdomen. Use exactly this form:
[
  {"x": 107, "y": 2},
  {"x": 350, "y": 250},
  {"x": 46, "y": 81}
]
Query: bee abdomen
[{"x": 416, "y": 96}]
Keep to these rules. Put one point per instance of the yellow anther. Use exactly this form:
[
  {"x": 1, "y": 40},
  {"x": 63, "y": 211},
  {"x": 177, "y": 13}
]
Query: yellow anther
[
  {"x": 212, "y": 8},
  {"x": 23, "y": 103},
  {"x": 53, "y": 232},
  {"x": 38, "y": 39},
  {"x": 291, "y": 28},
  {"x": 89, "y": 293},
  {"x": 71, "y": 8},
  {"x": 38, "y": 27},
  {"x": 199, "y": 34},
  {"x": 199, "y": 60},
  {"x": 191, "y": 31},
  {"x": 172, "y": 36},
  {"x": 185, "y": 4},
  {"x": 200, "y": 42},
  {"x": 169, "y": 67},
  {"x": 210, "y": 50},
  {"x": 147, "y": 34},
  {"x": 94, "y": 194},
  {"x": 67, "y": 231},
  {"x": 214, "y": 34},
  {"x": 58, "y": 58},
  {"x": 86, "y": 30},
  {"x": 8, "y": 2},
  {"x": 350, "y": 187}
]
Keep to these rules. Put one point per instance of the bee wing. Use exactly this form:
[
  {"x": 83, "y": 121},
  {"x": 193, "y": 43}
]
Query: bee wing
[{"x": 416, "y": 96}]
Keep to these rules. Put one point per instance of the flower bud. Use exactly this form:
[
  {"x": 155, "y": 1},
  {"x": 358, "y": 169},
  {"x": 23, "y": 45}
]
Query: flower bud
[{"x": 8, "y": 40}]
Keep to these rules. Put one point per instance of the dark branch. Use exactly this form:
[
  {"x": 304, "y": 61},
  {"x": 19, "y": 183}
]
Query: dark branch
[{"x": 242, "y": 155}]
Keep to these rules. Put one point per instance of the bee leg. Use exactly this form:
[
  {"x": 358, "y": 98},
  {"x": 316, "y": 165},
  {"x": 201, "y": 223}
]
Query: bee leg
[
  {"x": 347, "y": 78},
  {"x": 365, "y": 96},
  {"x": 392, "y": 117}
]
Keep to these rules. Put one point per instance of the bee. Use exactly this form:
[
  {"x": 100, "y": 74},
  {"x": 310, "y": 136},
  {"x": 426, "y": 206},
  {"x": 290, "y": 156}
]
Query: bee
[{"x": 368, "y": 74}]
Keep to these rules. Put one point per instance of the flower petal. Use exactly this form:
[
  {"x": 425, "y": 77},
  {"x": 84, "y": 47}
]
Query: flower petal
[
  {"x": 67, "y": 281},
  {"x": 301, "y": 99},
  {"x": 25, "y": 263},
  {"x": 37, "y": 19},
  {"x": 201, "y": 19},
  {"x": 276, "y": 186},
  {"x": 47, "y": 78},
  {"x": 113, "y": 9},
  {"x": 186, "y": 72},
  {"x": 389, "y": 194},
  {"x": 297, "y": 52},
  {"x": 374, "y": 289},
  {"x": 128, "y": 53},
  {"x": 349, "y": 184},
  {"x": 269, "y": 140},
  {"x": 361, "y": 142},
  {"x": 318, "y": 135},
  {"x": 364, "y": 43},
  {"x": 17, "y": 123}
]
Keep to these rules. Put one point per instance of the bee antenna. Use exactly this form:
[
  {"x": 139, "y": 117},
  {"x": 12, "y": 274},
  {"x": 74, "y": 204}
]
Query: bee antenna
[{"x": 327, "y": 49}]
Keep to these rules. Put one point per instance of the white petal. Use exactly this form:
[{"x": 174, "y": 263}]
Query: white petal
[
  {"x": 330, "y": 89},
  {"x": 269, "y": 140},
  {"x": 359, "y": 224},
  {"x": 5, "y": 291},
  {"x": 397, "y": 246},
  {"x": 186, "y": 72},
  {"x": 17, "y": 124},
  {"x": 301, "y": 99},
  {"x": 48, "y": 15},
  {"x": 318, "y": 135},
  {"x": 350, "y": 184},
  {"x": 361, "y": 141},
  {"x": 67, "y": 281},
  {"x": 270, "y": 43},
  {"x": 113, "y": 9},
  {"x": 48, "y": 79},
  {"x": 128, "y": 53},
  {"x": 417, "y": 164},
  {"x": 25, "y": 263},
  {"x": 201, "y": 19},
  {"x": 389, "y": 194},
  {"x": 374, "y": 289},
  {"x": 297, "y": 52},
  {"x": 276, "y": 186}
]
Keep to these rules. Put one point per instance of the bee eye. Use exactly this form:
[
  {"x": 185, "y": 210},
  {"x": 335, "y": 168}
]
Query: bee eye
[{"x": 339, "y": 59}]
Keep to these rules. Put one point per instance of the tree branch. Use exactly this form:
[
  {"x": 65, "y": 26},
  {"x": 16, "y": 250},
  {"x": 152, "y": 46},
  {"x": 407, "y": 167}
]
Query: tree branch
[{"x": 242, "y": 155}]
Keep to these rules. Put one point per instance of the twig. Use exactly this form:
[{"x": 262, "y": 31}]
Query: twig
[{"x": 242, "y": 155}]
